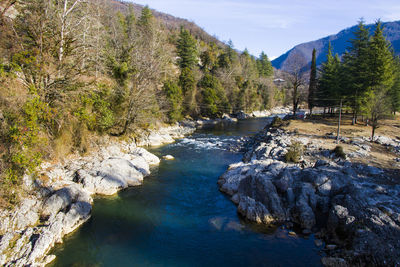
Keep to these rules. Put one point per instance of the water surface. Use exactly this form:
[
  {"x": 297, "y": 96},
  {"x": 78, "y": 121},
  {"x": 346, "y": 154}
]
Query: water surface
[{"x": 179, "y": 218}]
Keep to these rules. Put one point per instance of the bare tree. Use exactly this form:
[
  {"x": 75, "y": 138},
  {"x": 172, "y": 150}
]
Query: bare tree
[{"x": 296, "y": 78}]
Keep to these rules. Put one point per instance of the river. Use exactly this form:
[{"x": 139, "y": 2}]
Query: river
[{"x": 178, "y": 217}]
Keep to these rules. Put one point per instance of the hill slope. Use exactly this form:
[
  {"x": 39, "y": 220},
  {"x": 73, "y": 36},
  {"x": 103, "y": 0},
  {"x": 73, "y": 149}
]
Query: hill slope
[
  {"x": 339, "y": 43},
  {"x": 170, "y": 22}
]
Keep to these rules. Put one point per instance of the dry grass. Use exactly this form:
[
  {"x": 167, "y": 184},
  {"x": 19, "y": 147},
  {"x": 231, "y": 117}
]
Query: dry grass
[{"x": 319, "y": 128}]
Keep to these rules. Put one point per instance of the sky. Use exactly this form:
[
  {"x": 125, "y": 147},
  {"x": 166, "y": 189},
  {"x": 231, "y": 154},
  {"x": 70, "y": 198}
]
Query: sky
[{"x": 275, "y": 26}]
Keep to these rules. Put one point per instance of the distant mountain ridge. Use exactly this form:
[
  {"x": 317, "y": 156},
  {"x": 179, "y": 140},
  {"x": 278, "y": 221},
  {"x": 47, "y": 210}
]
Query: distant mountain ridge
[{"x": 339, "y": 41}]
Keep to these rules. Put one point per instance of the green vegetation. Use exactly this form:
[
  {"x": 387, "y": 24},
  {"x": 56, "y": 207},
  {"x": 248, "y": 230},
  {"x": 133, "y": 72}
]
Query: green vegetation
[
  {"x": 294, "y": 153},
  {"x": 277, "y": 122},
  {"x": 338, "y": 150},
  {"x": 73, "y": 70},
  {"x": 367, "y": 78}
]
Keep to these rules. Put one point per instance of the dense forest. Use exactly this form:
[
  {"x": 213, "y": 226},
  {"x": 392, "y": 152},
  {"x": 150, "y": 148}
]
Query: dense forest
[
  {"x": 71, "y": 70},
  {"x": 366, "y": 79}
]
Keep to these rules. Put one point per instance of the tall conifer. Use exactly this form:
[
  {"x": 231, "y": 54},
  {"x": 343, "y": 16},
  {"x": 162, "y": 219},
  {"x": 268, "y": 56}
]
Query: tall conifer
[
  {"x": 356, "y": 69},
  {"x": 313, "y": 81}
]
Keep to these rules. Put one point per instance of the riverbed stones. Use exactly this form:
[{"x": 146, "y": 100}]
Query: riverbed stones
[{"x": 354, "y": 203}]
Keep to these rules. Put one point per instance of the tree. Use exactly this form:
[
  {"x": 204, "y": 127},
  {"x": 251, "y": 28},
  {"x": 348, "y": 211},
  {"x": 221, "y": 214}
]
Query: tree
[
  {"x": 356, "y": 69},
  {"x": 375, "y": 104},
  {"x": 187, "y": 50},
  {"x": 138, "y": 59},
  {"x": 328, "y": 87},
  {"x": 296, "y": 79},
  {"x": 394, "y": 92},
  {"x": 313, "y": 82},
  {"x": 381, "y": 63},
  {"x": 175, "y": 98},
  {"x": 264, "y": 66},
  {"x": 214, "y": 98},
  {"x": 209, "y": 58},
  {"x": 187, "y": 82},
  {"x": 145, "y": 18}
]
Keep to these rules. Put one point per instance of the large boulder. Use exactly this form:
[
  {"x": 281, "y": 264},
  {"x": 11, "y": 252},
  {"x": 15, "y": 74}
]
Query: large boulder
[
  {"x": 254, "y": 210},
  {"x": 113, "y": 175}
]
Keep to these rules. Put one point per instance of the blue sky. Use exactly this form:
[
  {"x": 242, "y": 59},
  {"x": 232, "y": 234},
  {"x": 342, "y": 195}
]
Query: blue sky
[{"x": 276, "y": 26}]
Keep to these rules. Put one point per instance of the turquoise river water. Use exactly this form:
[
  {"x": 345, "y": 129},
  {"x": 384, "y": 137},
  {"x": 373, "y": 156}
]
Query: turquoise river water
[{"x": 178, "y": 217}]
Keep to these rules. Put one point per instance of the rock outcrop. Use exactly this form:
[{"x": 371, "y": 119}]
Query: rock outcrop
[{"x": 351, "y": 205}]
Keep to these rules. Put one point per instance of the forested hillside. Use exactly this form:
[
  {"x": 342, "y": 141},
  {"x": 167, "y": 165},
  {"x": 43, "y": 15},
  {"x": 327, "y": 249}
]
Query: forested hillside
[
  {"x": 71, "y": 70},
  {"x": 340, "y": 43}
]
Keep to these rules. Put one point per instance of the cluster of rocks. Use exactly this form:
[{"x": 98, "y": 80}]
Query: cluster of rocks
[
  {"x": 60, "y": 199},
  {"x": 262, "y": 113},
  {"x": 353, "y": 207},
  {"x": 165, "y": 135}
]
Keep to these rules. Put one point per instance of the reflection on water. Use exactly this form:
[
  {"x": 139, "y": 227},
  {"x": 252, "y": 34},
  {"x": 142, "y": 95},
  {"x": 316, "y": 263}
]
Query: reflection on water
[{"x": 179, "y": 218}]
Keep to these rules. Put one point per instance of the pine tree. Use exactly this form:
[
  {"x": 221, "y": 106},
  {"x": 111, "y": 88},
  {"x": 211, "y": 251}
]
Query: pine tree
[
  {"x": 145, "y": 17},
  {"x": 328, "y": 88},
  {"x": 187, "y": 50},
  {"x": 214, "y": 98},
  {"x": 394, "y": 92},
  {"x": 209, "y": 58},
  {"x": 380, "y": 59},
  {"x": 375, "y": 101},
  {"x": 356, "y": 69},
  {"x": 264, "y": 66},
  {"x": 187, "y": 82},
  {"x": 175, "y": 98},
  {"x": 313, "y": 81}
]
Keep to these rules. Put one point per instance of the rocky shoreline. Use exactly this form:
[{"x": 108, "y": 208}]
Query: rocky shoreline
[
  {"x": 353, "y": 207},
  {"x": 61, "y": 199}
]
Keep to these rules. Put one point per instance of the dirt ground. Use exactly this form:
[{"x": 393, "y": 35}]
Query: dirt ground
[{"x": 323, "y": 128}]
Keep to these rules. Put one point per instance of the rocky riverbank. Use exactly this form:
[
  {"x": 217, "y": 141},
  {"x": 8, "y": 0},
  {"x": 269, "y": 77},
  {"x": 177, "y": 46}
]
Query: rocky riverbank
[
  {"x": 353, "y": 207},
  {"x": 60, "y": 199}
]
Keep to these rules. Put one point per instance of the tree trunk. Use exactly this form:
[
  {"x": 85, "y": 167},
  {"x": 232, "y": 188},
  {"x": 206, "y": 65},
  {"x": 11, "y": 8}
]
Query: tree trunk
[{"x": 373, "y": 132}]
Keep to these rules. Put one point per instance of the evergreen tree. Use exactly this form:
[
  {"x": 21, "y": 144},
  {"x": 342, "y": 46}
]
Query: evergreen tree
[
  {"x": 145, "y": 17},
  {"x": 381, "y": 61},
  {"x": 328, "y": 87},
  {"x": 175, "y": 98},
  {"x": 209, "y": 59},
  {"x": 187, "y": 50},
  {"x": 313, "y": 82},
  {"x": 356, "y": 69},
  {"x": 214, "y": 98},
  {"x": 375, "y": 101},
  {"x": 264, "y": 66},
  {"x": 394, "y": 92},
  {"x": 228, "y": 57},
  {"x": 187, "y": 82}
]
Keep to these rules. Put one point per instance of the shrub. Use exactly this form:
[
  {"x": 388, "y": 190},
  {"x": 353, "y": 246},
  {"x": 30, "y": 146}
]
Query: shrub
[
  {"x": 294, "y": 153},
  {"x": 276, "y": 122},
  {"x": 339, "y": 152}
]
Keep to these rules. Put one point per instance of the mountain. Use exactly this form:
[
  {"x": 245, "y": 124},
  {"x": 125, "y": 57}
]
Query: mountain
[{"x": 339, "y": 43}]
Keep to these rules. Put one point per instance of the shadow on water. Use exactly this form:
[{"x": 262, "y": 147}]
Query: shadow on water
[{"x": 178, "y": 217}]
